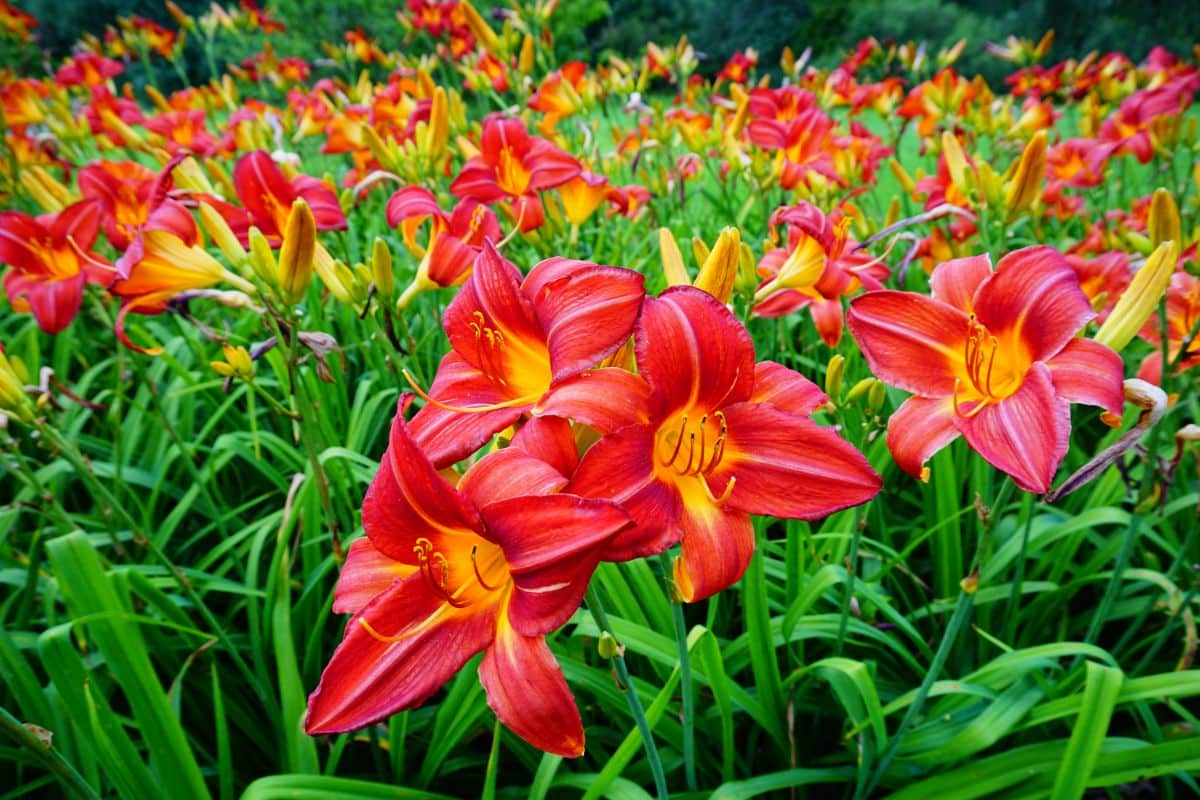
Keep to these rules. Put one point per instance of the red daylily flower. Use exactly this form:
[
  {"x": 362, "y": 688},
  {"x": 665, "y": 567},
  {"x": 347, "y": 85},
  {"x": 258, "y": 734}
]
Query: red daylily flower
[
  {"x": 703, "y": 437},
  {"x": 514, "y": 165},
  {"x": 184, "y": 132},
  {"x": 523, "y": 346},
  {"x": 132, "y": 197},
  {"x": 821, "y": 246},
  {"x": 991, "y": 356},
  {"x": 51, "y": 259},
  {"x": 87, "y": 69},
  {"x": 268, "y": 196},
  {"x": 445, "y": 572},
  {"x": 455, "y": 239}
]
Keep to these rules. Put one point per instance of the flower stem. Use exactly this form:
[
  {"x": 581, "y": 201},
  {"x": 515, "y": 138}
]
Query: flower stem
[
  {"x": 635, "y": 705},
  {"x": 962, "y": 610},
  {"x": 685, "y": 680}
]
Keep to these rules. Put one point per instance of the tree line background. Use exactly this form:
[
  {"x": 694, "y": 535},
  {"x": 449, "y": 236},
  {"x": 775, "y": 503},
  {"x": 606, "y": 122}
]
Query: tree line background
[{"x": 586, "y": 29}]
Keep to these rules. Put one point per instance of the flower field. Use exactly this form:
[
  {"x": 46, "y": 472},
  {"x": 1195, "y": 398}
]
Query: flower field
[{"x": 463, "y": 420}]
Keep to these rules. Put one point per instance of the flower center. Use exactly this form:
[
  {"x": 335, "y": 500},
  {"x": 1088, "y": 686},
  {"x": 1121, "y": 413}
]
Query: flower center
[
  {"x": 459, "y": 583},
  {"x": 511, "y": 174},
  {"x": 991, "y": 373}
]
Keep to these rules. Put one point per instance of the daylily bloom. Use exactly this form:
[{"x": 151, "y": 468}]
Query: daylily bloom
[
  {"x": 445, "y": 572},
  {"x": 523, "y": 346},
  {"x": 268, "y": 196},
  {"x": 184, "y": 131},
  {"x": 558, "y": 96},
  {"x": 88, "y": 69},
  {"x": 514, "y": 165},
  {"x": 132, "y": 198},
  {"x": 816, "y": 268},
  {"x": 159, "y": 264},
  {"x": 991, "y": 356},
  {"x": 455, "y": 239},
  {"x": 51, "y": 259},
  {"x": 703, "y": 437}
]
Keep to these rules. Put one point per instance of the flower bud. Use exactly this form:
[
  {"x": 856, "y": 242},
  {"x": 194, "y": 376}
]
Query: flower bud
[
  {"x": 1164, "y": 225},
  {"x": 296, "y": 254},
  {"x": 608, "y": 646},
  {"x": 672, "y": 260},
  {"x": 720, "y": 269},
  {"x": 237, "y": 363},
  {"x": 1141, "y": 298},
  {"x": 13, "y": 399},
  {"x": 219, "y": 231},
  {"x": 833, "y": 376},
  {"x": 381, "y": 270},
  {"x": 956, "y": 160},
  {"x": 262, "y": 260},
  {"x": 1026, "y": 185}
]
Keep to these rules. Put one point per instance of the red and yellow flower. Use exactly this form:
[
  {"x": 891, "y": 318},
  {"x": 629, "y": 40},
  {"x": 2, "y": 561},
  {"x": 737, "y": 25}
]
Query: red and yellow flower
[
  {"x": 991, "y": 356},
  {"x": 444, "y": 572}
]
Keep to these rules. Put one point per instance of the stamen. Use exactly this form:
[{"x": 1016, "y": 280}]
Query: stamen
[
  {"x": 724, "y": 494},
  {"x": 478, "y": 576},
  {"x": 516, "y": 402},
  {"x": 991, "y": 363},
  {"x": 679, "y": 441}
]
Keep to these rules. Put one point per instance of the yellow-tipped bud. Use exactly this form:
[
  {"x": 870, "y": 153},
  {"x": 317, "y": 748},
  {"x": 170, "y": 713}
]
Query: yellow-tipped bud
[
  {"x": 296, "y": 254},
  {"x": 482, "y": 32},
  {"x": 262, "y": 260},
  {"x": 437, "y": 135},
  {"x": 876, "y": 395},
  {"x": 219, "y": 231},
  {"x": 1164, "y": 225},
  {"x": 747, "y": 274},
  {"x": 1141, "y": 298},
  {"x": 720, "y": 269},
  {"x": 893, "y": 212},
  {"x": 237, "y": 363},
  {"x": 1026, "y": 185},
  {"x": 859, "y": 389},
  {"x": 13, "y": 400},
  {"x": 525, "y": 60},
  {"x": 833, "y": 376},
  {"x": 51, "y": 195},
  {"x": 699, "y": 250},
  {"x": 956, "y": 160},
  {"x": 381, "y": 270},
  {"x": 672, "y": 260},
  {"x": 189, "y": 175},
  {"x": 902, "y": 176},
  {"x": 156, "y": 98}
]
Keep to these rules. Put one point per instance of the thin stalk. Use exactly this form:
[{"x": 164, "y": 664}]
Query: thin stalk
[
  {"x": 1014, "y": 595},
  {"x": 49, "y": 757},
  {"x": 851, "y": 577},
  {"x": 962, "y": 610},
  {"x": 596, "y": 608},
  {"x": 685, "y": 681}
]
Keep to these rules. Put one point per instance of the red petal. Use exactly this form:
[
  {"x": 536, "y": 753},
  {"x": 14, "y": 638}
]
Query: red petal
[
  {"x": 18, "y": 231},
  {"x": 410, "y": 202},
  {"x": 1086, "y": 371},
  {"x": 478, "y": 182},
  {"x": 528, "y": 212},
  {"x": 450, "y": 261},
  {"x": 366, "y": 574},
  {"x": 549, "y": 166},
  {"x": 919, "y": 428},
  {"x": 552, "y": 545},
  {"x": 768, "y": 133},
  {"x": 369, "y": 679},
  {"x": 408, "y": 499},
  {"x": 526, "y": 689},
  {"x": 909, "y": 340},
  {"x": 693, "y": 351},
  {"x": 717, "y": 545},
  {"x": 503, "y": 133},
  {"x": 550, "y": 439},
  {"x": 326, "y": 210},
  {"x": 80, "y": 221},
  {"x": 448, "y": 437},
  {"x": 607, "y": 399},
  {"x": 1034, "y": 295},
  {"x": 620, "y": 467},
  {"x": 1025, "y": 434},
  {"x": 788, "y": 466},
  {"x": 786, "y": 389},
  {"x": 827, "y": 318},
  {"x": 509, "y": 473},
  {"x": 587, "y": 311},
  {"x": 264, "y": 191},
  {"x": 55, "y": 303},
  {"x": 955, "y": 282}
]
